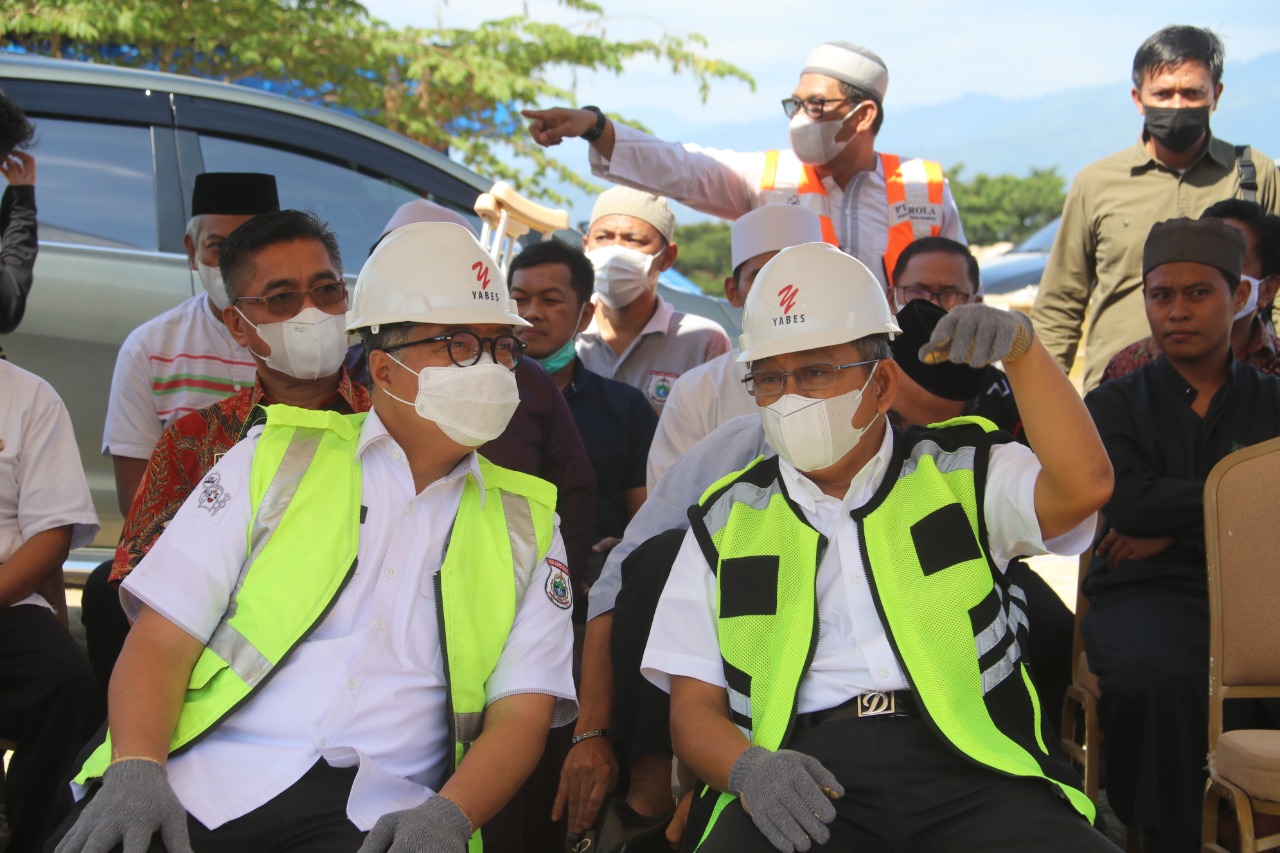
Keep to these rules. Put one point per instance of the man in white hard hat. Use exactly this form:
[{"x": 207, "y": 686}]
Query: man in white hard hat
[
  {"x": 712, "y": 393},
  {"x": 635, "y": 336},
  {"x": 842, "y": 655},
  {"x": 395, "y": 607},
  {"x": 872, "y": 204}
]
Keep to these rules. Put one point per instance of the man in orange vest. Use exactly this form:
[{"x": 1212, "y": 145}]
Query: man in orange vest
[{"x": 872, "y": 205}]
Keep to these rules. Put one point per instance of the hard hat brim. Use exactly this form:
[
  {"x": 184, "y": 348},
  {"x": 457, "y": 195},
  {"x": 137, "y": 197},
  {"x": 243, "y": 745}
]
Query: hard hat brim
[
  {"x": 816, "y": 339},
  {"x": 443, "y": 317}
]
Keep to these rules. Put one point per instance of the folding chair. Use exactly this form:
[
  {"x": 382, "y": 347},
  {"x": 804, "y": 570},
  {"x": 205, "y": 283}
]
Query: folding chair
[
  {"x": 507, "y": 216},
  {"x": 1244, "y": 648}
]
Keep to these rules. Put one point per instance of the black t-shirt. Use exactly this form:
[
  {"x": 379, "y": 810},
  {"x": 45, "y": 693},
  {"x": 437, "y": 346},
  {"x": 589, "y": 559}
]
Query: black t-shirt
[
  {"x": 617, "y": 425},
  {"x": 996, "y": 403}
]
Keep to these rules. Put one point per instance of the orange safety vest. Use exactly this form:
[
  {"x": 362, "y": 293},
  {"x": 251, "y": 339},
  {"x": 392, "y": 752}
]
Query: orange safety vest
[{"x": 913, "y": 191}]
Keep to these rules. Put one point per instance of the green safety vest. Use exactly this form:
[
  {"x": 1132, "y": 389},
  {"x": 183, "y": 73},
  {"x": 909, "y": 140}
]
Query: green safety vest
[
  {"x": 944, "y": 605},
  {"x": 305, "y": 468}
]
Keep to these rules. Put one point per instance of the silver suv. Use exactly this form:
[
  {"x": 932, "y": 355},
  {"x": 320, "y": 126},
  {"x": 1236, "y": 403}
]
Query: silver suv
[{"x": 117, "y": 154}]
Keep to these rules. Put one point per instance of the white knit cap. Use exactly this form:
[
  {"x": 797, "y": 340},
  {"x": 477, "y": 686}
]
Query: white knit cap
[
  {"x": 851, "y": 64},
  {"x": 646, "y": 207},
  {"x": 772, "y": 228}
]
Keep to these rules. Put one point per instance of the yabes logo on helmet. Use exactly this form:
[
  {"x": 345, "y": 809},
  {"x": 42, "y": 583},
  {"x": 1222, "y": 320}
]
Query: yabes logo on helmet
[
  {"x": 787, "y": 297},
  {"x": 482, "y": 276}
]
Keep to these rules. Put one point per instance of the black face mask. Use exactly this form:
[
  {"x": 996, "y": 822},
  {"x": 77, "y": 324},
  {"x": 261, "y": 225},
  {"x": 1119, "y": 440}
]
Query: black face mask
[{"x": 1176, "y": 129}]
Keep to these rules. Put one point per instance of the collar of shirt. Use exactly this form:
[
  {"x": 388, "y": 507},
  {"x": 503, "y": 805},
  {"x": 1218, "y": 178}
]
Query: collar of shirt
[
  {"x": 1183, "y": 389},
  {"x": 659, "y": 323},
  {"x": 355, "y": 398},
  {"x": 375, "y": 438},
  {"x": 1260, "y": 339},
  {"x": 863, "y": 485},
  {"x": 1222, "y": 153}
]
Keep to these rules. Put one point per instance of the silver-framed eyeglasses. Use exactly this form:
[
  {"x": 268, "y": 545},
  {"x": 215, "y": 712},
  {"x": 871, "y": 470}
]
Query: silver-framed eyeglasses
[{"x": 807, "y": 377}]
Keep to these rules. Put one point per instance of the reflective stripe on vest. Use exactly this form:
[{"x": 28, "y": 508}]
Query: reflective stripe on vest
[
  {"x": 953, "y": 628},
  {"x": 913, "y": 190},
  {"x": 305, "y": 466},
  {"x": 809, "y": 192}
]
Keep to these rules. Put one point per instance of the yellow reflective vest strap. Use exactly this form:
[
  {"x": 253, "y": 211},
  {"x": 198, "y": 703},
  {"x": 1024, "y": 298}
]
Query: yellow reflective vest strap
[
  {"x": 284, "y": 589},
  {"x": 305, "y": 467},
  {"x": 942, "y": 602}
]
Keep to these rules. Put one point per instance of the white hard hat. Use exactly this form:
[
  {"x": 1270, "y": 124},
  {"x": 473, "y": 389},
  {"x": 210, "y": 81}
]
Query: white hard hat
[
  {"x": 431, "y": 272},
  {"x": 812, "y": 296}
]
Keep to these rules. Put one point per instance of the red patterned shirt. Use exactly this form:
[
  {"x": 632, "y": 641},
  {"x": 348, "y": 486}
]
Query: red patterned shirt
[
  {"x": 188, "y": 448},
  {"x": 1259, "y": 353}
]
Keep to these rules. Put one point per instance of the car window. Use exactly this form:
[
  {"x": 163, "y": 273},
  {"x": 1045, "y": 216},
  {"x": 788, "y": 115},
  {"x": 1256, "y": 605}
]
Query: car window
[
  {"x": 1041, "y": 241},
  {"x": 355, "y": 205},
  {"x": 86, "y": 168}
]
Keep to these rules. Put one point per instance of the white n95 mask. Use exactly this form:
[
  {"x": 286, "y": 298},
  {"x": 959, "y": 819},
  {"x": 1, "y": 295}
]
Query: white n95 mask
[
  {"x": 622, "y": 274},
  {"x": 211, "y": 278},
  {"x": 310, "y": 345},
  {"x": 814, "y": 142},
  {"x": 472, "y": 405},
  {"x": 814, "y": 434},
  {"x": 1252, "y": 301}
]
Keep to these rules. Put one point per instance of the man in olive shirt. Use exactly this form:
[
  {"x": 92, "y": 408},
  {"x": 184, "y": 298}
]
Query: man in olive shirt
[{"x": 1176, "y": 169}]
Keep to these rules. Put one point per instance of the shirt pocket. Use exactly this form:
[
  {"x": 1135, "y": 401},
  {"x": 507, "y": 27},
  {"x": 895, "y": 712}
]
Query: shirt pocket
[{"x": 422, "y": 635}]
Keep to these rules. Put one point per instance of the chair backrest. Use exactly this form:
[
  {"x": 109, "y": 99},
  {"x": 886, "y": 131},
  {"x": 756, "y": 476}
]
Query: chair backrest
[{"x": 1244, "y": 585}]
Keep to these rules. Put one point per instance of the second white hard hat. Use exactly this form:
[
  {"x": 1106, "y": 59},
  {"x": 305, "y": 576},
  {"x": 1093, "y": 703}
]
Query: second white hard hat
[
  {"x": 431, "y": 272},
  {"x": 812, "y": 296}
]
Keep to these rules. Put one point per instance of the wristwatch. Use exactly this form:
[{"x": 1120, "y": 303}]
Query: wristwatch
[{"x": 594, "y": 133}]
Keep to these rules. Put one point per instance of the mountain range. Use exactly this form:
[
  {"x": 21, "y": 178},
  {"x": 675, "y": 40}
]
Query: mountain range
[{"x": 1067, "y": 129}]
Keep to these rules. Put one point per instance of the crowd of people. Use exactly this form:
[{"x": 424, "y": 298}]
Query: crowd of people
[{"x": 537, "y": 543}]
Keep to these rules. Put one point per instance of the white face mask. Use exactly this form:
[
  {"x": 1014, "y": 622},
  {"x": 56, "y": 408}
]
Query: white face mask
[
  {"x": 814, "y": 141},
  {"x": 814, "y": 434},
  {"x": 1252, "y": 302},
  {"x": 309, "y": 346},
  {"x": 623, "y": 274},
  {"x": 211, "y": 278},
  {"x": 472, "y": 405}
]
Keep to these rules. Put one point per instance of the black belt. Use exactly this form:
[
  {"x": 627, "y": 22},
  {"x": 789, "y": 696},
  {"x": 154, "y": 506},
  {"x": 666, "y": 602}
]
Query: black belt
[{"x": 890, "y": 703}]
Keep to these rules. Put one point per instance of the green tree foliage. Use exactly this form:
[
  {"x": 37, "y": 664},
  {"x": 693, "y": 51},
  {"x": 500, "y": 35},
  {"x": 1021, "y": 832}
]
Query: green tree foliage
[
  {"x": 704, "y": 255},
  {"x": 455, "y": 90},
  {"x": 995, "y": 208}
]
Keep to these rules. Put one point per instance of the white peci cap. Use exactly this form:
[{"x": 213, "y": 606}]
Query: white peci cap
[{"x": 772, "y": 228}]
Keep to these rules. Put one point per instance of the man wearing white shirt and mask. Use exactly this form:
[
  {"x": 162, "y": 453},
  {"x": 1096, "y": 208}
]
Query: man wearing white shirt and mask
[
  {"x": 841, "y": 652},
  {"x": 635, "y": 336},
  {"x": 872, "y": 204},
  {"x": 358, "y": 625},
  {"x": 712, "y": 393}
]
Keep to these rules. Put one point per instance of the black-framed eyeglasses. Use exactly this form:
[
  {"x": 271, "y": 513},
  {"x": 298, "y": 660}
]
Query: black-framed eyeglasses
[
  {"x": 813, "y": 107},
  {"x": 286, "y": 303},
  {"x": 947, "y": 298},
  {"x": 808, "y": 377},
  {"x": 465, "y": 348}
]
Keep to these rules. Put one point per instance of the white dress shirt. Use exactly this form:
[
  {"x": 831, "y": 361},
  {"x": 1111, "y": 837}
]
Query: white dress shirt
[
  {"x": 853, "y": 654},
  {"x": 367, "y": 687},
  {"x": 700, "y": 401},
  {"x": 727, "y": 184},
  {"x": 42, "y": 484}
]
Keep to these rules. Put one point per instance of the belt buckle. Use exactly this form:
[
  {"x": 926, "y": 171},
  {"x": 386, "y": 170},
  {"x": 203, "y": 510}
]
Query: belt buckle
[{"x": 876, "y": 704}]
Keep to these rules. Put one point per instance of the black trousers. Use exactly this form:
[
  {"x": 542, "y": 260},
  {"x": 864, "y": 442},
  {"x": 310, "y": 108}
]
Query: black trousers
[
  {"x": 642, "y": 712},
  {"x": 49, "y": 705},
  {"x": 908, "y": 792},
  {"x": 105, "y": 625},
  {"x": 1150, "y": 648},
  {"x": 310, "y": 816}
]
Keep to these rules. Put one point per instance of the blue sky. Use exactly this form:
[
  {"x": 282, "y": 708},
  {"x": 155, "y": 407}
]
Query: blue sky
[{"x": 936, "y": 50}]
